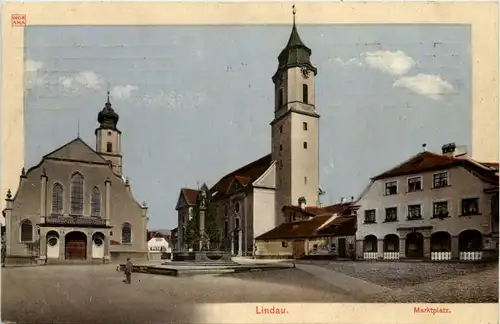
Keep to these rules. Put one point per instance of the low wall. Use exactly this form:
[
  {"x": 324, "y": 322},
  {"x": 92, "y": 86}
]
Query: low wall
[
  {"x": 134, "y": 256},
  {"x": 205, "y": 256}
]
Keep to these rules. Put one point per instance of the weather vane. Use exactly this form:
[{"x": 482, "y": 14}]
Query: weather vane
[{"x": 294, "y": 12}]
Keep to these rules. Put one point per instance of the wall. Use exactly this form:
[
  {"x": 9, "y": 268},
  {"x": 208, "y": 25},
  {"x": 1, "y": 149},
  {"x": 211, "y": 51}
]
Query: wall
[
  {"x": 263, "y": 211},
  {"x": 274, "y": 249}
]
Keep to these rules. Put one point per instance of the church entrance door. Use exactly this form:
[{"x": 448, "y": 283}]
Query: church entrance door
[{"x": 76, "y": 246}]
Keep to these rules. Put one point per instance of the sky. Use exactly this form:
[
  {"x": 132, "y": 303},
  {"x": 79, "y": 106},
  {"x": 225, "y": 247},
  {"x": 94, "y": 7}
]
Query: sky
[{"x": 195, "y": 102}]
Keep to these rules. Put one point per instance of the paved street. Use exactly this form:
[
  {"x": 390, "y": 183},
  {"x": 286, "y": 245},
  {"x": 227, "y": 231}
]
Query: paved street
[{"x": 97, "y": 293}]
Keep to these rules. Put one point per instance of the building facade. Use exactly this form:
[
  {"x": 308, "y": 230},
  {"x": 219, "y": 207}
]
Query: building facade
[
  {"x": 432, "y": 206},
  {"x": 311, "y": 232},
  {"x": 159, "y": 248},
  {"x": 75, "y": 205},
  {"x": 248, "y": 200}
]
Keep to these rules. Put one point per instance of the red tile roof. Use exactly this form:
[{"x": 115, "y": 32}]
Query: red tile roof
[
  {"x": 314, "y": 210},
  {"x": 243, "y": 180},
  {"x": 298, "y": 229},
  {"x": 246, "y": 174},
  {"x": 190, "y": 195},
  {"x": 340, "y": 226},
  {"x": 311, "y": 228},
  {"x": 428, "y": 161}
]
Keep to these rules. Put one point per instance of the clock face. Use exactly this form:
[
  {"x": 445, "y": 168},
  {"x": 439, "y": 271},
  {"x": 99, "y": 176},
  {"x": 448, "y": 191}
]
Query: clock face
[{"x": 305, "y": 72}]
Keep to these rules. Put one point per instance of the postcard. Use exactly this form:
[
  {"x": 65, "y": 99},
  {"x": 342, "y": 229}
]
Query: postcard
[{"x": 250, "y": 162}]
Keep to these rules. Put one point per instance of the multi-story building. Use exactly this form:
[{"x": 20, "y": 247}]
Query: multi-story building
[{"x": 432, "y": 206}]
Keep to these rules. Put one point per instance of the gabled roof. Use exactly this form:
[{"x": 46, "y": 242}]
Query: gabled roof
[
  {"x": 244, "y": 175},
  {"x": 187, "y": 197},
  {"x": 190, "y": 195},
  {"x": 428, "y": 161},
  {"x": 78, "y": 151}
]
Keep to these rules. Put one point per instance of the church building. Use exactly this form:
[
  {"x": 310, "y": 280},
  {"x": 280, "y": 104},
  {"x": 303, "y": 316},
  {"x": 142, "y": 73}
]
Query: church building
[
  {"x": 75, "y": 205},
  {"x": 249, "y": 200}
]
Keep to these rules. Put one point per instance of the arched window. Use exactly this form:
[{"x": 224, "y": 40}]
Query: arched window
[
  {"x": 95, "y": 203},
  {"x": 26, "y": 231},
  {"x": 109, "y": 147},
  {"x": 126, "y": 233},
  {"x": 57, "y": 199},
  {"x": 77, "y": 194}
]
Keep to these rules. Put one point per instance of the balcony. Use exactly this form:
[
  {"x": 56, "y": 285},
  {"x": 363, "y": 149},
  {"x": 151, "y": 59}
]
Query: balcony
[{"x": 74, "y": 221}]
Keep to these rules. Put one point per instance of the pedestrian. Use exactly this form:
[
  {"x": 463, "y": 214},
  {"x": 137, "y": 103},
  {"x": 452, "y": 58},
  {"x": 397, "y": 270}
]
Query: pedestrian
[
  {"x": 128, "y": 271},
  {"x": 4, "y": 253}
]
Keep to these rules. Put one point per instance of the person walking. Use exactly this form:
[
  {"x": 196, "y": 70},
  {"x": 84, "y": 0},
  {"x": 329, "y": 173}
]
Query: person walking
[
  {"x": 4, "y": 252},
  {"x": 128, "y": 271}
]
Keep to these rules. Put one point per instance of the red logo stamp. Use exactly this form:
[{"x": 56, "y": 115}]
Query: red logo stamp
[{"x": 18, "y": 20}]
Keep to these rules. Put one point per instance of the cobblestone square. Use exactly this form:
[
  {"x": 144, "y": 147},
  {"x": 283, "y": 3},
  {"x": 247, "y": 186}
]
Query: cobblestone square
[{"x": 426, "y": 282}]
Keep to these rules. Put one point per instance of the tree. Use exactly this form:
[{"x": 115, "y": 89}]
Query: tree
[
  {"x": 211, "y": 227},
  {"x": 192, "y": 233}
]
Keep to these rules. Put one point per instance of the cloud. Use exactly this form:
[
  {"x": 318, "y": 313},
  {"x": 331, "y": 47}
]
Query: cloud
[
  {"x": 81, "y": 80},
  {"x": 34, "y": 74},
  {"x": 431, "y": 86},
  {"x": 123, "y": 92},
  {"x": 173, "y": 98},
  {"x": 352, "y": 61},
  {"x": 395, "y": 63}
]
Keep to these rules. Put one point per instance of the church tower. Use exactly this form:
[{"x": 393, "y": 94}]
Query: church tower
[
  {"x": 295, "y": 127},
  {"x": 108, "y": 137}
]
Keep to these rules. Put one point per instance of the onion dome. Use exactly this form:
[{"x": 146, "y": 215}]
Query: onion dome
[{"x": 107, "y": 117}]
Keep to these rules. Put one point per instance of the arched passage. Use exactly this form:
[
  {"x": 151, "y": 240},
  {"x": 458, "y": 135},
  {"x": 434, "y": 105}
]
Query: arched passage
[
  {"x": 441, "y": 242},
  {"x": 370, "y": 247},
  {"x": 391, "y": 247},
  {"x": 440, "y": 246},
  {"x": 76, "y": 246},
  {"x": 391, "y": 243},
  {"x": 98, "y": 245},
  {"x": 470, "y": 244},
  {"x": 53, "y": 245},
  {"x": 415, "y": 245},
  {"x": 470, "y": 240}
]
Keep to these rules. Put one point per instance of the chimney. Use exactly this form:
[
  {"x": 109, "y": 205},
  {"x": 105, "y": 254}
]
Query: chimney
[
  {"x": 451, "y": 149},
  {"x": 424, "y": 147},
  {"x": 302, "y": 203},
  {"x": 352, "y": 198},
  {"x": 342, "y": 200}
]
